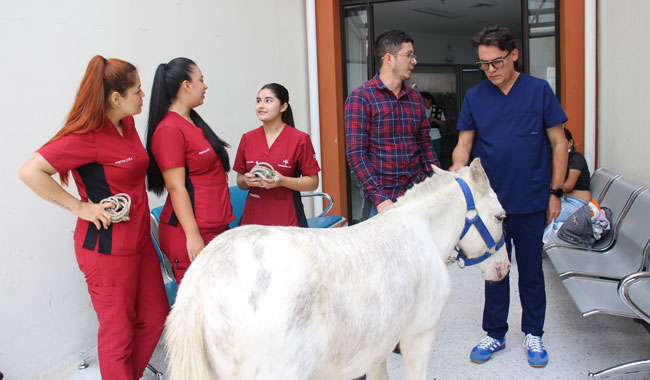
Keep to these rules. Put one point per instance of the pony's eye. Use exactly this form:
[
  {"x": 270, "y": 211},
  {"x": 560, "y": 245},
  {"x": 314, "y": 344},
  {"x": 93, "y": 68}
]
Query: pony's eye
[{"x": 500, "y": 217}]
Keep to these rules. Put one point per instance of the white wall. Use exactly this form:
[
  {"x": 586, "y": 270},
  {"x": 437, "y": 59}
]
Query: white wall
[
  {"x": 623, "y": 83},
  {"x": 45, "y": 315}
]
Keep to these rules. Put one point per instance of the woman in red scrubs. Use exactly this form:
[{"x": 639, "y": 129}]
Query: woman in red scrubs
[
  {"x": 275, "y": 201},
  {"x": 190, "y": 161},
  {"x": 101, "y": 147}
]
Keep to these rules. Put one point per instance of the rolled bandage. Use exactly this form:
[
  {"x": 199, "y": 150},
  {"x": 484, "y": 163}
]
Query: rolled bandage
[
  {"x": 122, "y": 202},
  {"x": 263, "y": 170}
]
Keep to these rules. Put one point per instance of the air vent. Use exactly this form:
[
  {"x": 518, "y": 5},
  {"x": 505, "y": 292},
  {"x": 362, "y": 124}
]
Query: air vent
[{"x": 438, "y": 12}]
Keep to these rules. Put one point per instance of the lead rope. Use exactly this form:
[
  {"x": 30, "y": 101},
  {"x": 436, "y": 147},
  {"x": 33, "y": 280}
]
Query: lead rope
[{"x": 122, "y": 202}]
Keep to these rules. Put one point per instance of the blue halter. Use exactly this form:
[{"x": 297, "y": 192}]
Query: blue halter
[{"x": 480, "y": 226}]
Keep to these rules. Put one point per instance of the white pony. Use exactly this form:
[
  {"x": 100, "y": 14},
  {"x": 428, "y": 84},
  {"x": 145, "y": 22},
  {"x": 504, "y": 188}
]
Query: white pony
[{"x": 290, "y": 303}]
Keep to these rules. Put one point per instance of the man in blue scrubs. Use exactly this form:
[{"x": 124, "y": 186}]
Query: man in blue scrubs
[{"x": 512, "y": 119}]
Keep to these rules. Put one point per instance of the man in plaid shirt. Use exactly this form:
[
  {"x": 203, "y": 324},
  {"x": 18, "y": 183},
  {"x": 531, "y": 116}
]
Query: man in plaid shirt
[{"x": 387, "y": 140}]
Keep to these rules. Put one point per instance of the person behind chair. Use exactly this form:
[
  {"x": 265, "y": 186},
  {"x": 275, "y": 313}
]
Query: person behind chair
[
  {"x": 387, "y": 141},
  {"x": 188, "y": 159},
  {"x": 275, "y": 201},
  {"x": 512, "y": 120},
  {"x": 101, "y": 147},
  {"x": 576, "y": 184}
]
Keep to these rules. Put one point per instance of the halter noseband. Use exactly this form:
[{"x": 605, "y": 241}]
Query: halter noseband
[{"x": 480, "y": 226}]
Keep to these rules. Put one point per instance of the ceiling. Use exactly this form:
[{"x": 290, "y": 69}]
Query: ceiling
[{"x": 462, "y": 17}]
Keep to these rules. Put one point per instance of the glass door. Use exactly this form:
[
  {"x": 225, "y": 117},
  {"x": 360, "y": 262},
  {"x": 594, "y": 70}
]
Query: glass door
[
  {"x": 357, "y": 71},
  {"x": 540, "y": 33}
]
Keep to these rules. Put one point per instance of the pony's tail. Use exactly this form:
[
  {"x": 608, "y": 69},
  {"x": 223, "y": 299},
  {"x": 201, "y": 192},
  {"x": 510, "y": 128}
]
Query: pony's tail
[{"x": 185, "y": 344}]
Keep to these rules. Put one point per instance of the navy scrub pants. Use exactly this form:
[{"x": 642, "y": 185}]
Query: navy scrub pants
[{"x": 526, "y": 232}]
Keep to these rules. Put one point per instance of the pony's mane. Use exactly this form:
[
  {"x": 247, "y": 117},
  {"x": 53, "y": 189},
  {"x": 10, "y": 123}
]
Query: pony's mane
[{"x": 427, "y": 188}]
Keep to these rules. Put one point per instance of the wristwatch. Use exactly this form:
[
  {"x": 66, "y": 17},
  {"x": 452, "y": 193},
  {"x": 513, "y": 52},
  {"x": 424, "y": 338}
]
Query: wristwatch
[{"x": 557, "y": 192}]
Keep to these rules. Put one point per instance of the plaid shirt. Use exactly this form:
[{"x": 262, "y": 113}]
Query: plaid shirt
[{"x": 387, "y": 140}]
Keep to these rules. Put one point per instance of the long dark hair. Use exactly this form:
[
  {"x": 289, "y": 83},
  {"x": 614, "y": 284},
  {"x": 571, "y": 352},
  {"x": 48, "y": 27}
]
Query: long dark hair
[
  {"x": 166, "y": 82},
  {"x": 282, "y": 94}
]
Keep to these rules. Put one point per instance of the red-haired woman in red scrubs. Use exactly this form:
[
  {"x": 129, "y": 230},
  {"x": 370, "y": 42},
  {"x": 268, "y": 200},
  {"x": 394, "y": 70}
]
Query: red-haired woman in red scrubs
[
  {"x": 190, "y": 161},
  {"x": 276, "y": 200},
  {"x": 101, "y": 147}
]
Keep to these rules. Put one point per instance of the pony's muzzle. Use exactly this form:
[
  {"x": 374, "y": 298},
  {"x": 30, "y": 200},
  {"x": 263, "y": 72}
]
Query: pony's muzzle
[{"x": 502, "y": 268}]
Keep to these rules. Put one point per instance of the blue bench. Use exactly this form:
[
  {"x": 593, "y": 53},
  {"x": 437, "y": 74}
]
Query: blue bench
[
  {"x": 238, "y": 200},
  {"x": 612, "y": 277}
]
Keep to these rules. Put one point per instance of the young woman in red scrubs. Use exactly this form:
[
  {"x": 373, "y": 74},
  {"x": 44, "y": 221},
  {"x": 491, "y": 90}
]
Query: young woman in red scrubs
[
  {"x": 276, "y": 200},
  {"x": 190, "y": 161},
  {"x": 101, "y": 147}
]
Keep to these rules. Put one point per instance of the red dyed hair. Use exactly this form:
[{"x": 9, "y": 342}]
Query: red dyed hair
[{"x": 102, "y": 78}]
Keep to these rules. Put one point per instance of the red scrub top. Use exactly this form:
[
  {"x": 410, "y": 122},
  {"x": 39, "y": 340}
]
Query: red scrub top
[
  {"x": 104, "y": 163},
  {"x": 179, "y": 143},
  {"x": 291, "y": 154}
]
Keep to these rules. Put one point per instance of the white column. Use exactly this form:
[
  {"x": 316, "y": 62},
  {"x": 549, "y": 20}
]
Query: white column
[
  {"x": 314, "y": 114},
  {"x": 590, "y": 83}
]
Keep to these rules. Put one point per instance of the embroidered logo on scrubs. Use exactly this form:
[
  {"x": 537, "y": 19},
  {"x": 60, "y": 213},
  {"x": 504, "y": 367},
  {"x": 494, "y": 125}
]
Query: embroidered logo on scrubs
[
  {"x": 286, "y": 164},
  {"x": 204, "y": 151},
  {"x": 123, "y": 161}
]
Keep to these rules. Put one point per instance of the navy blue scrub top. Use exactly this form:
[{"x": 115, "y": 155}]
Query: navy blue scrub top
[{"x": 511, "y": 139}]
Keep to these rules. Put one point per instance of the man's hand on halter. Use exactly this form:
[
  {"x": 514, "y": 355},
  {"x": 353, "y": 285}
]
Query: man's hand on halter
[
  {"x": 455, "y": 167},
  {"x": 95, "y": 213}
]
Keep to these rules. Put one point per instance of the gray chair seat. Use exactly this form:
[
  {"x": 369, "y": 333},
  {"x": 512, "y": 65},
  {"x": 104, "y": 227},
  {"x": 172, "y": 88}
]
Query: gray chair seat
[{"x": 629, "y": 253}]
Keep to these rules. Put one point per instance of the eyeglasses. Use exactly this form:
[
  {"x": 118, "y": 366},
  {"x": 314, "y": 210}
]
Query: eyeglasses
[
  {"x": 496, "y": 63},
  {"x": 412, "y": 57}
]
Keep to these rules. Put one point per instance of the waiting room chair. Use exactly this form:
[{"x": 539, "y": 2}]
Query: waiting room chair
[
  {"x": 600, "y": 182},
  {"x": 634, "y": 291},
  {"x": 618, "y": 198},
  {"x": 238, "y": 200},
  {"x": 622, "y": 258},
  {"x": 171, "y": 287}
]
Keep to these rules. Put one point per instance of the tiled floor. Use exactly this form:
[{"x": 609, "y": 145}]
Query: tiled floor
[{"x": 576, "y": 345}]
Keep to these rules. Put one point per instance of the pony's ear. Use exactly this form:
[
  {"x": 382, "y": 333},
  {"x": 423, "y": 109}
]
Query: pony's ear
[
  {"x": 436, "y": 170},
  {"x": 477, "y": 173}
]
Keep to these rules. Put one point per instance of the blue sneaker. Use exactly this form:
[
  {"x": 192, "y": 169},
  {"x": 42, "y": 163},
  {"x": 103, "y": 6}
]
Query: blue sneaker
[
  {"x": 484, "y": 350},
  {"x": 537, "y": 355}
]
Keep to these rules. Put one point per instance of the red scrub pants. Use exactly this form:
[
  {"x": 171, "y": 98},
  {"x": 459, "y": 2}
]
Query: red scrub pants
[
  {"x": 174, "y": 245},
  {"x": 129, "y": 298}
]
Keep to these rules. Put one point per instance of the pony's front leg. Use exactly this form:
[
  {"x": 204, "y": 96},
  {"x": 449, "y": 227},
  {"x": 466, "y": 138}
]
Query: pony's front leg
[
  {"x": 379, "y": 372},
  {"x": 416, "y": 352}
]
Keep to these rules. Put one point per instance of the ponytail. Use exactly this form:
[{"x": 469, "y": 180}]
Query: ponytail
[
  {"x": 158, "y": 106},
  {"x": 287, "y": 116},
  {"x": 102, "y": 77}
]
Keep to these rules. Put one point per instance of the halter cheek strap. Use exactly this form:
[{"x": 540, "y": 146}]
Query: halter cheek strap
[{"x": 480, "y": 226}]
